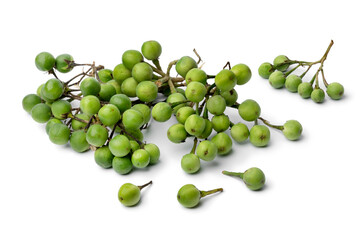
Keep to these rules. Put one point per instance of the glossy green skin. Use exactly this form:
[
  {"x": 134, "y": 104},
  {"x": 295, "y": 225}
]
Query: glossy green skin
[
  {"x": 96, "y": 135},
  {"x": 119, "y": 146},
  {"x": 184, "y": 65},
  {"x": 223, "y": 143},
  {"x": 29, "y": 101},
  {"x": 61, "y": 65},
  {"x": 103, "y": 157},
  {"x": 52, "y": 89},
  {"x": 183, "y": 113},
  {"x": 190, "y": 163},
  {"x": 249, "y": 110},
  {"x": 120, "y": 73},
  {"x": 59, "y": 134},
  {"x": 220, "y": 123},
  {"x": 41, "y": 113},
  {"x": 195, "y": 125},
  {"x": 106, "y": 92},
  {"x": 175, "y": 97},
  {"x": 225, "y": 80},
  {"x": 50, "y": 123},
  {"x": 105, "y": 75},
  {"x": 196, "y": 75},
  {"x": 161, "y": 112},
  {"x": 134, "y": 145},
  {"x": 90, "y": 86},
  {"x": 128, "y": 87},
  {"x": 129, "y": 194},
  {"x": 318, "y": 95},
  {"x": 77, "y": 125},
  {"x": 122, "y": 165},
  {"x": 216, "y": 105},
  {"x": 242, "y": 73},
  {"x": 142, "y": 72},
  {"x": 177, "y": 133},
  {"x": 121, "y": 101},
  {"x": 151, "y": 50},
  {"x": 78, "y": 141},
  {"x": 189, "y": 196},
  {"x": 146, "y": 91},
  {"x": 335, "y": 90},
  {"x": 109, "y": 114},
  {"x": 292, "y": 130},
  {"x": 265, "y": 70},
  {"x": 259, "y": 135},
  {"x": 90, "y": 105},
  {"x": 132, "y": 119},
  {"x": 131, "y": 57},
  {"x": 207, "y": 131},
  {"x": 230, "y": 97},
  {"x": 60, "y": 109},
  {"x": 277, "y": 79},
  {"x": 144, "y": 110},
  {"x": 140, "y": 158},
  {"x": 239, "y": 132},
  {"x": 279, "y": 60},
  {"x": 134, "y": 133},
  {"x": 116, "y": 85},
  {"x": 292, "y": 82},
  {"x": 38, "y": 90},
  {"x": 153, "y": 151},
  {"x": 305, "y": 89},
  {"x": 44, "y": 61},
  {"x": 195, "y": 91},
  {"x": 254, "y": 178},
  {"x": 207, "y": 150}
]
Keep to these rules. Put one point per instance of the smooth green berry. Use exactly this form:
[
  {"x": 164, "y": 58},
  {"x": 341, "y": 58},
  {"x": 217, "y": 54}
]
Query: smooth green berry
[
  {"x": 140, "y": 158},
  {"x": 230, "y": 97},
  {"x": 207, "y": 131},
  {"x": 44, "y": 61},
  {"x": 109, "y": 114},
  {"x": 220, "y": 123},
  {"x": 183, "y": 113},
  {"x": 60, "y": 109},
  {"x": 190, "y": 163},
  {"x": 318, "y": 95},
  {"x": 119, "y": 146},
  {"x": 52, "y": 89},
  {"x": 151, "y": 50},
  {"x": 90, "y": 86},
  {"x": 121, "y": 101},
  {"x": 132, "y": 119},
  {"x": 41, "y": 113},
  {"x": 184, "y": 65},
  {"x": 249, "y": 110},
  {"x": 50, "y": 123},
  {"x": 265, "y": 70},
  {"x": 206, "y": 150},
  {"x": 280, "y": 63},
  {"x": 103, "y": 157},
  {"x": 129, "y": 194},
  {"x": 29, "y": 101},
  {"x": 120, "y": 73},
  {"x": 62, "y": 63},
  {"x": 292, "y": 82},
  {"x": 128, "y": 87},
  {"x": 195, "y": 125},
  {"x": 146, "y": 91},
  {"x": 97, "y": 135},
  {"x": 196, "y": 75},
  {"x": 195, "y": 91},
  {"x": 225, "y": 80},
  {"x": 177, "y": 133},
  {"x": 305, "y": 89},
  {"x": 259, "y": 135},
  {"x": 223, "y": 143},
  {"x": 59, "y": 134},
  {"x": 105, "y": 75},
  {"x": 239, "y": 132},
  {"x": 131, "y": 57},
  {"x": 242, "y": 73},
  {"x": 153, "y": 151},
  {"x": 122, "y": 165},
  {"x": 142, "y": 72},
  {"x": 335, "y": 90},
  {"x": 277, "y": 79},
  {"x": 292, "y": 130},
  {"x": 161, "y": 112},
  {"x": 78, "y": 141}
]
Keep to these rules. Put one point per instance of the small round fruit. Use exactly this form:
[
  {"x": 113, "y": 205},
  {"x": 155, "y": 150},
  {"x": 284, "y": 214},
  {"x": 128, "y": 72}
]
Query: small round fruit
[
  {"x": 151, "y": 50},
  {"x": 29, "y": 101},
  {"x": 135, "y": 133},
  {"x": 119, "y": 146},
  {"x": 90, "y": 86},
  {"x": 60, "y": 109},
  {"x": 77, "y": 125},
  {"x": 175, "y": 98},
  {"x": 305, "y": 89},
  {"x": 41, "y": 113},
  {"x": 220, "y": 123},
  {"x": 177, "y": 133},
  {"x": 216, "y": 105},
  {"x": 144, "y": 110},
  {"x": 59, "y": 134},
  {"x": 292, "y": 82},
  {"x": 122, "y": 165},
  {"x": 230, "y": 97},
  {"x": 335, "y": 90},
  {"x": 50, "y": 123},
  {"x": 195, "y": 125},
  {"x": 121, "y": 101},
  {"x": 116, "y": 85},
  {"x": 184, "y": 65},
  {"x": 106, "y": 92},
  {"x": 190, "y": 163},
  {"x": 62, "y": 63},
  {"x": 132, "y": 119},
  {"x": 96, "y": 135},
  {"x": 207, "y": 150},
  {"x": 183, "y": 113},
  {"x": 38, "y": 90},
  {"x": 265, "y": 70},
  {"x": 223, "y": 143},
  {"x": 142, "y": 72},
  {"x": 280, "y": 63},
  {"x": 140, "y": 158},
  {"x": 146, "y": 91},
  {"x": 196, "y": 75},
  {"x": 292, "y": 130},
  {"x": 318, "y": 95},
  {"x": 103, "y": 157},
  {"x": 128, "y": 87},
  {"x": 120, "y": 73},
  {"x": 242, "y": 73},
  {"x": 161, "y": 112},
  {"x": 78, "y": 141},
  {"x": 109, "y": 114},
  {"x": 254, "y": 178},
  {"x": 195, "y": 91},
  {"x": 239, "y": 132},
  {"x": 134, "y": 145},
  {"x": 249, "y": 110},
  {"x": 105, "y": 75},
  {"x": 52, "y": 89},
  {"x": 259, "y": 135},
  {"x": 129, "y": 194},
  {"x": 188, "y": 196},
  {"x": 131, "y": 57},
  {"x": 277, "y": 79},
  {"x": 225, "y": 80},
  {"x": 207, "y": 131},
  {"x": 153, "y": 151},
  {"x": 90, "y": 105},
  {"x": 44, "y": 61}
]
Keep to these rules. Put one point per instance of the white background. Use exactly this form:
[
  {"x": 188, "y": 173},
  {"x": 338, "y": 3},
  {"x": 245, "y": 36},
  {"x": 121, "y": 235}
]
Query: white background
[{"x": 312, "y": 191}]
